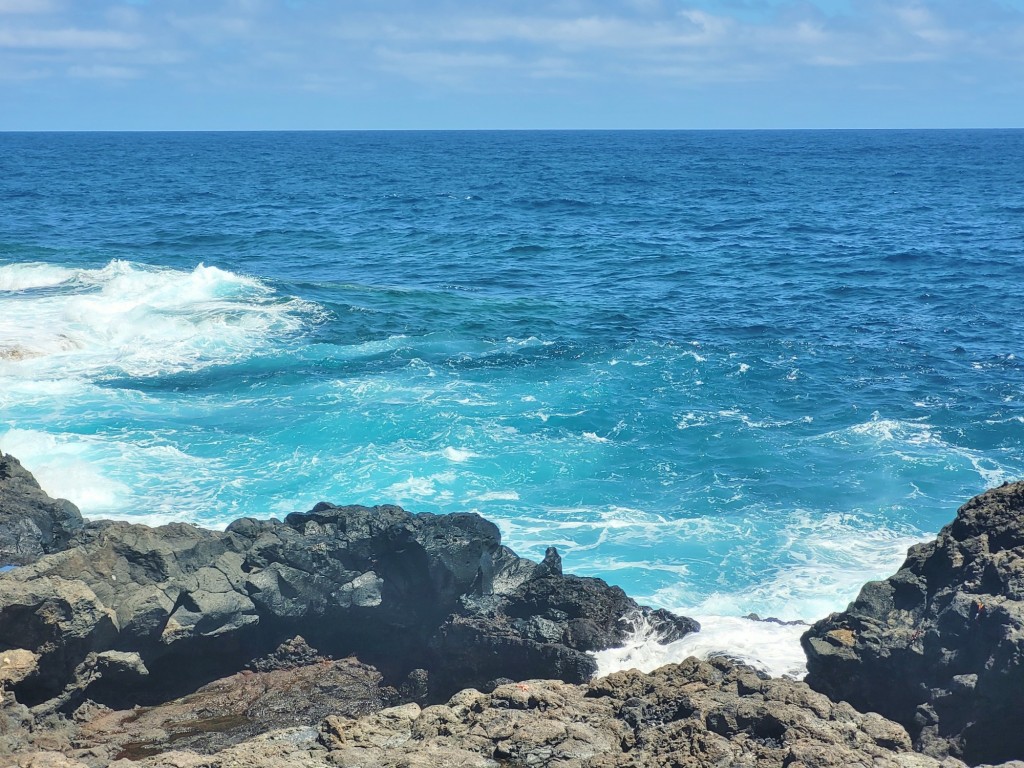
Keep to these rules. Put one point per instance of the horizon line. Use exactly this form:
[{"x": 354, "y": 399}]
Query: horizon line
[{"x": 499, "y": 130}]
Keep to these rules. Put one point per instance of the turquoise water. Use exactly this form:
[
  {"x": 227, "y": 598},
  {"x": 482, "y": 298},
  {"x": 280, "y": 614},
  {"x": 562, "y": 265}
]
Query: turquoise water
[{"x": 729, "y": 371}]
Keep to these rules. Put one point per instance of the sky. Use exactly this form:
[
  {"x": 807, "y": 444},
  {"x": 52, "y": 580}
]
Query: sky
[{"x": 498, "y": 64}]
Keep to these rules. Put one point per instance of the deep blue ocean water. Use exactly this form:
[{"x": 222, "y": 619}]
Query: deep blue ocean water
[{"x": 729, "y": 371}]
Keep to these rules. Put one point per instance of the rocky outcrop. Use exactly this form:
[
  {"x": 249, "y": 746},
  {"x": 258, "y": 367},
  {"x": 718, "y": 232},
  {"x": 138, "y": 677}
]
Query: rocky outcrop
[
  {"x": 697, "y": 714},
  {"x": 174, "y": 647},
  {"x": 129, "y": 614},
  {"x": 537, "y": 618},
  {"x": 234, "y": 709},
  {"x": 939, "y": 646},
  {"x": 31, "y": 523}
]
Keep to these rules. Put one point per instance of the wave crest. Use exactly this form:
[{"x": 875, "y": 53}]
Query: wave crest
[{"x": 136, "y": 320}]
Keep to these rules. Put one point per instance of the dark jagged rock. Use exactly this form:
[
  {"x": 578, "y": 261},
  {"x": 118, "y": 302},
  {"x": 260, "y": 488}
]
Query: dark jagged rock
[
  {"x": 939, "y": 646},
  {"x": 288, "y": 655},
  {"x": 31, "y": 523},
  {"x": 537, "y": 618},
  {"x": 124, "y": 615},
  {"x": 193, "y": 605}
]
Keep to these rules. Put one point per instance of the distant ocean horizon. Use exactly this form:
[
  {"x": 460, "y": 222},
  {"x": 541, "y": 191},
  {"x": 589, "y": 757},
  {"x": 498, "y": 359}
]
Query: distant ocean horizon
[
  {"x": 734, "y": 371},
  {"x": 456, "y": 131}
]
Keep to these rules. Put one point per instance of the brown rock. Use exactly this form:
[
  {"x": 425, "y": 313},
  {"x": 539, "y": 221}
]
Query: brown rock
[
  {"x": 234, "y": 709},
  {"x": 690, "y": 715}
]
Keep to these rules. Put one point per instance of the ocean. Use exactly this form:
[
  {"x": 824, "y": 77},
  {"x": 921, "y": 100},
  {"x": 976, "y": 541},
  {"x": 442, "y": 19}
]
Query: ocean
[{"x": 732, "y": 372}]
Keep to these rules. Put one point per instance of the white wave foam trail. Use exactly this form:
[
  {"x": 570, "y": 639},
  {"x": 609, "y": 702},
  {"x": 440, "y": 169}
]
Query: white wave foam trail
[
  {"x": 828, "y": 556},
  {"x": 130, "y": 319},
  {"x": 22, "y": 277},
  {"x": 768, "y": 646},
  {"x": 921, "y": 444}
]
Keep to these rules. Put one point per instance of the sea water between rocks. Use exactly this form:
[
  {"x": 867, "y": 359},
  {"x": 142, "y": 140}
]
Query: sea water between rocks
[{"x": 731, "y": 372}]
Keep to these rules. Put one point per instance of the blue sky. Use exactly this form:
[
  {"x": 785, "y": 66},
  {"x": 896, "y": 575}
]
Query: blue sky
[{"x": 408, "y": 64}]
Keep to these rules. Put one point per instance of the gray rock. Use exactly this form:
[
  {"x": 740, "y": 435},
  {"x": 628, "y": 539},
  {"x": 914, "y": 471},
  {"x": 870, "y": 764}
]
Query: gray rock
[
  {"x": 433, "y": 593},
  {"x": 939, "y": 646},
  {"x": 31, "y": 523}
]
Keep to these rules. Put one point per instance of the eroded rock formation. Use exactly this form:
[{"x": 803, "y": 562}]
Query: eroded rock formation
[
  {"x": 103, "y": 626},
  {"x": 128, "y": 614},
  {"x": 939, "y": 646}
]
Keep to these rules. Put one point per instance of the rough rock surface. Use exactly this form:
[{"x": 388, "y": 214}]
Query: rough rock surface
[
  {"x": 537, "y": 618},
  {"x": 690, "y": 715},
  {"x": 31, "y": 523},
  {"x": 129, "y": 614},
  {"x": 696, "y": 714},
  {"x": 939, "y": 646},
  {"x": 233, "y": 709}
]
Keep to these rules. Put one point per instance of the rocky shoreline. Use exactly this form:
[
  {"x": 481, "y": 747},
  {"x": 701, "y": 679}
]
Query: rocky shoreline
[{"x": 355, "y": 636}]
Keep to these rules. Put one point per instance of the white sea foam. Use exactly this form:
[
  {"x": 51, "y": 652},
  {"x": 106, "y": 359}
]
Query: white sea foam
[
  {"x": 991, "y": 472},
  {"x": 61, "y": 469},
  {"x": 493, "y": 496},
  {"x": 691, "y": 419},
  {"x": 420, "y": 487},
  {"x": 917, "y": 442},
  {"x": 90, "y": 470},
  {"x": 23, "y": 277},
  {"x": 771, "y": 647},
  {"x": 129, "y": 319},
  {"x": 458, "y": 455},
  {"x": 830, "y": 557},
  {"x": 827, "y": 559}
]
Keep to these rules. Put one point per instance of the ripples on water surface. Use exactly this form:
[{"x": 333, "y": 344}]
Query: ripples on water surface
[{"x": 730, "y": 372}]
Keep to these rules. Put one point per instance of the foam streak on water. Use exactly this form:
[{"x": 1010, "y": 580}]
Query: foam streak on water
[{"x": 730, "y": 372}]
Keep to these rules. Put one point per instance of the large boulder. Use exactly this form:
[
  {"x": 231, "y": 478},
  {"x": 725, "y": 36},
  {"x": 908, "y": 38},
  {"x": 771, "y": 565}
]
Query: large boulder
[
  {"x": 939, "y": 646},
  {"x": 127, "y": 614},
  {"x": 31, "y": 523},
  {"x": 537, "y": 618}
]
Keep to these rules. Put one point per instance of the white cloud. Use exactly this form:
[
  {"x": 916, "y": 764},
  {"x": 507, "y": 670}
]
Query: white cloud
[
  {"x": 27, "y": 6},
  {"x": 213, "y": 28},
  {"x": 646, "y": 39},
  {"x": 364, "y": 45},
  {"x": 439, "y": 67},
  {"x": 68, "y": 38}
]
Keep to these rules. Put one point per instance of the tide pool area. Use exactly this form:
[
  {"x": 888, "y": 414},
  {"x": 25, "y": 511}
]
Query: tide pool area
[{"x": 731, "y": 372}]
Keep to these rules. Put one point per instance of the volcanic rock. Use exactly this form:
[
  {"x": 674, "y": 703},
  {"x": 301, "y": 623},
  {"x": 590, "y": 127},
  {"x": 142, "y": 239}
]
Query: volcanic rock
[
  {"x": 696, "y": 714},
  {"x": 31, "y": 523},
  {"x": 404, "y": 592},
  {"x": 939, "y": 646},
  {"x": 234, "y": 709}
]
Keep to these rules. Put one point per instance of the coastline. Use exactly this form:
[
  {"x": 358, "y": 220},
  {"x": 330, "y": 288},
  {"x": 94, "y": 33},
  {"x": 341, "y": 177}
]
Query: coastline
[{"x": 422, "y": 635}]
